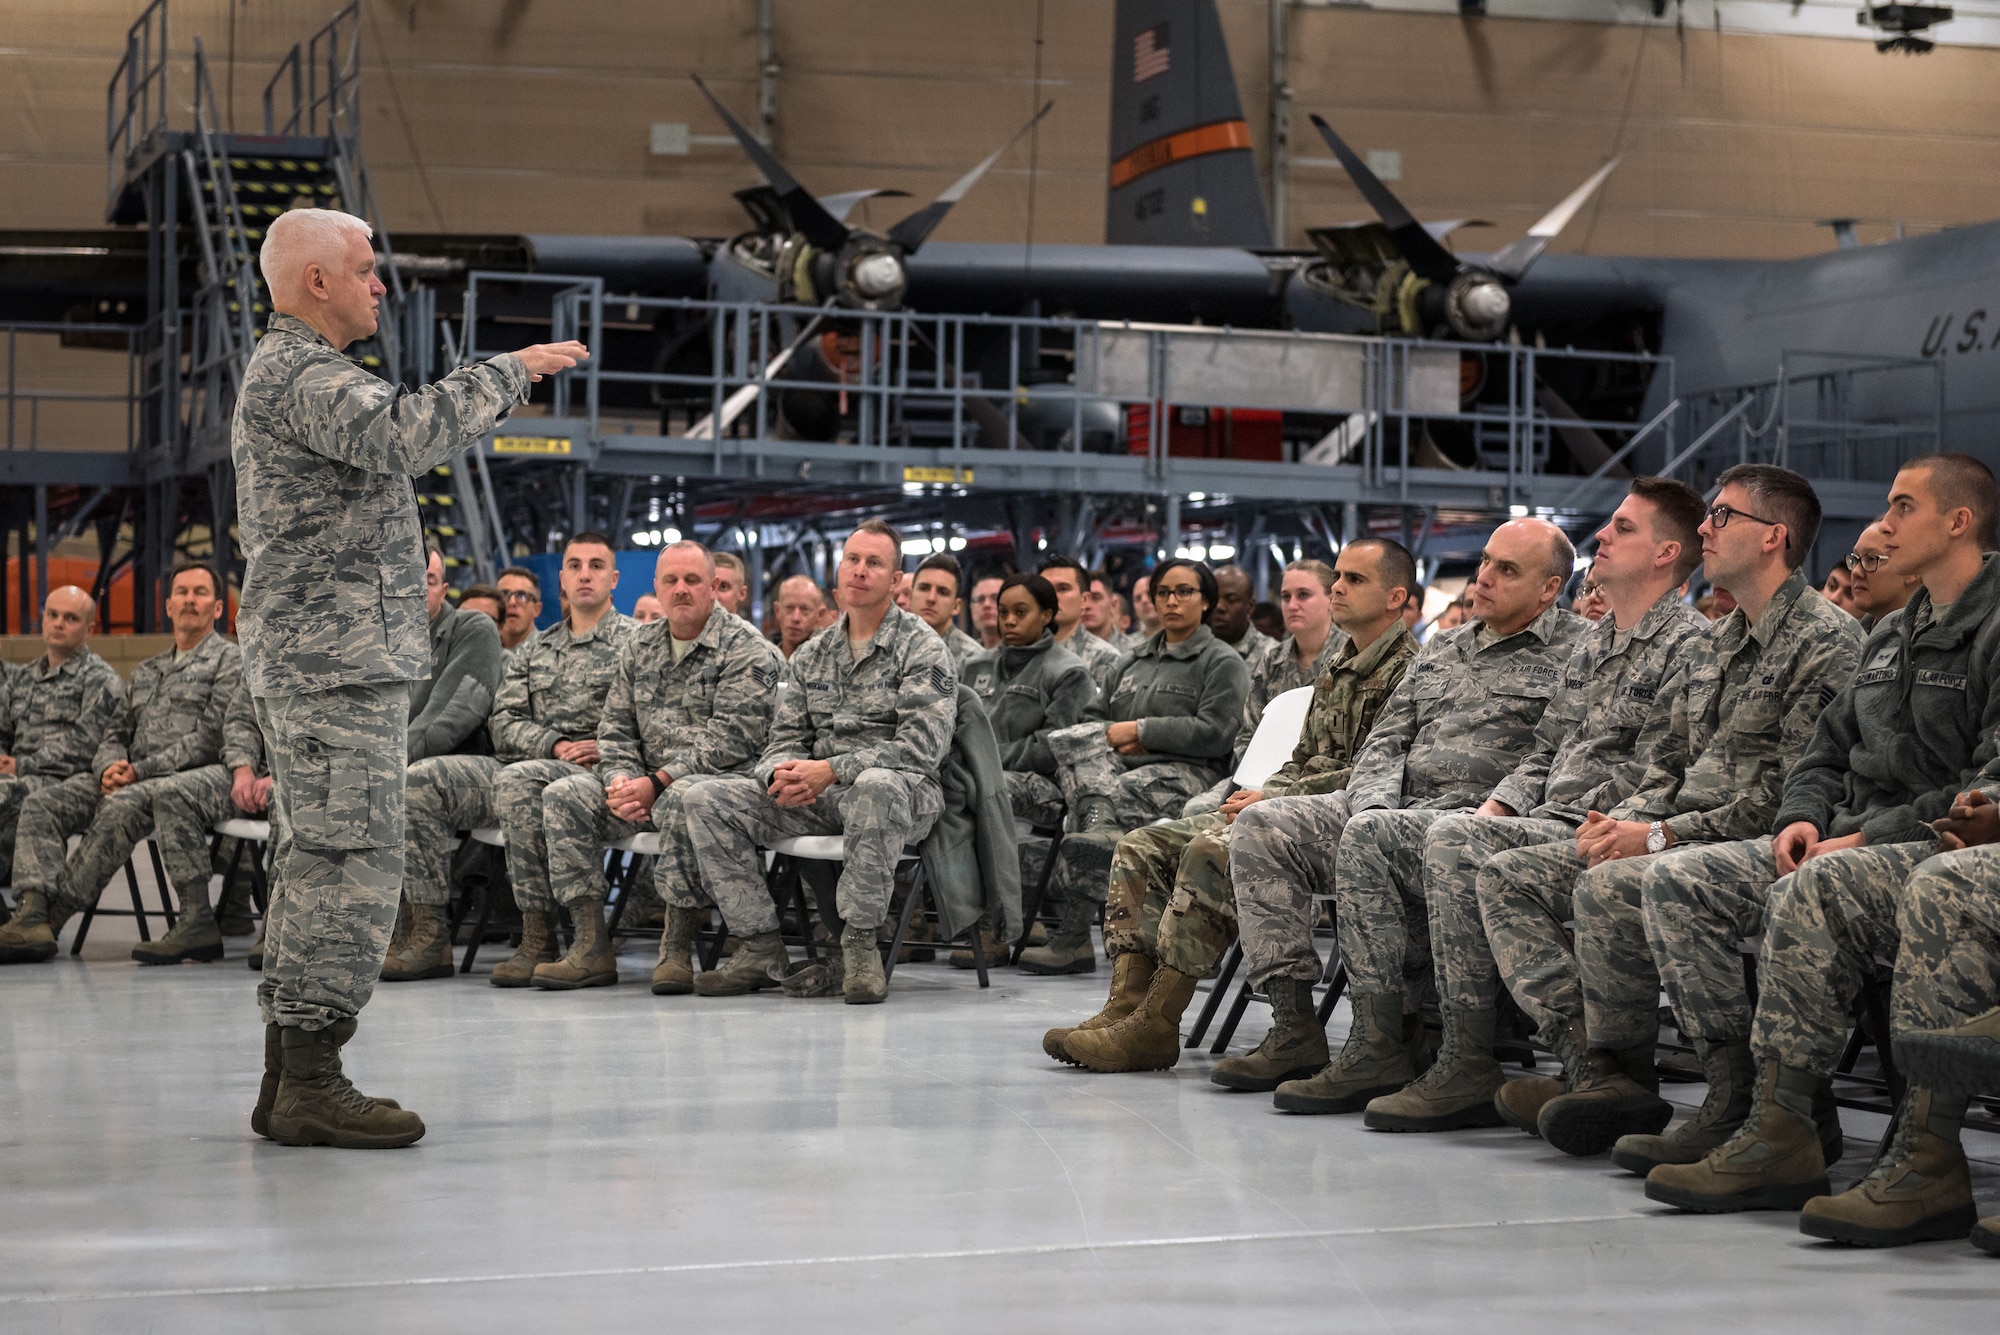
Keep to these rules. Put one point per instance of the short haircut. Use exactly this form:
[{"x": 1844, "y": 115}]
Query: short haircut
[
  {"x": 1681, "y": 511},
  {"x": 733, "y": 561},
  {"x": 589, "y": 537},
  {"x": 521, "y": 572},
  {"x": 1562, "y": 556},
  {"x": 1199, "y": 569},
  {"x": 486, "y": 591},
  {"x": 943, "y": 561},
  {"x": 1231, "y": 568},
  {"x": 1319, "y": 570},
  {"x": 791, "y": 581},
  {"x": 1785, "y": 498},
  {"x": 708, "y": 558},
  {"x": 1066, "y": 563},
  {"x": 1099, "y": 577},
  {"x": 1398, "y": 567},
  {"x": 432, "y": 547},
  {"x": 299, "y": 237},
  {"x": 1043, "y": 592},
  {"x": 1959, "y": 481},
  {"x": 191, "y": 567},
  {"x": 882, "y": 528}
]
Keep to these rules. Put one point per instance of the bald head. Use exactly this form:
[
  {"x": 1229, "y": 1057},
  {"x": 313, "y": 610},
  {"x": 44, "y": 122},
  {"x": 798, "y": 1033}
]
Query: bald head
[
  {"x": 68, "y": 617},
  {"x": 1522, "y": 570}
]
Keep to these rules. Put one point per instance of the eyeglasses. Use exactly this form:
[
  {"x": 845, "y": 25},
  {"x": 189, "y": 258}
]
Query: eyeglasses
[
  {"x": 1176, "y": 593},
  {"x": 1720, "y": 515},
  {"x": 1871, "y": 563},
  {"x": 519, "y": 596}
]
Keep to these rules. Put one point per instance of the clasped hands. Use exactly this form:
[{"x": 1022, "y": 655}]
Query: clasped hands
[{"x": 798, "y": 783}]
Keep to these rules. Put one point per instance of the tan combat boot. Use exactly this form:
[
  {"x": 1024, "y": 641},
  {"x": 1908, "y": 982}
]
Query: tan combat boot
[
  {"x": 674, "y": 975},
  {"x": 1732, "y": 1074},
  {"x": 274, "y": 1069},
  {"x": 1374, "y": 1061},
  {"x": 1069, "y": 948},
  {"x": 1457, "y": 1091},
  {"x": 1294, "y": 1047},
  {"x": 593, "y": 958},
  {"x": 1519, "y": 1102},
  {"x": 1617, "y": 1094},
  {"x": 1773, "y": 1162},
  {"x": 995, "y": 950},
  {"x": 538, "y": 947},
  {"x": 759, "y": 962},
  {"x": 29, "y": 937},
  {"x": 426, "y": 951},
  {"x": 194, "y": 936},
  {"x": 1920, "y": 1190},
  {"x": 316, "y": 1104},
  {"x": 1131, "y": 974},
  {"x": 1149, "y": 1039},
  {"x": 862, "y": 981}
]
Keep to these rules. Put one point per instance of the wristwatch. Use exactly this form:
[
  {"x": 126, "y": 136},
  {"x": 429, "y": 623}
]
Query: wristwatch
[{"x": 1656, "y": 837}]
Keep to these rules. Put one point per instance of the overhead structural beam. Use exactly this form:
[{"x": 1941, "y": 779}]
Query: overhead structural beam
[{"x": 1281, "y": 115}]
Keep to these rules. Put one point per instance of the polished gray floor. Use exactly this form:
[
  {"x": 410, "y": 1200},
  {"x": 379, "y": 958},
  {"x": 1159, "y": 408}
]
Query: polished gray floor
[{"x": 614, "y": 1161}]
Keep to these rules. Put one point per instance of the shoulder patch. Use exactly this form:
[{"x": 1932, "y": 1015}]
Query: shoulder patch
[
  {"x": 941, "y": 680},
  {"x": 765, "y": 676}
]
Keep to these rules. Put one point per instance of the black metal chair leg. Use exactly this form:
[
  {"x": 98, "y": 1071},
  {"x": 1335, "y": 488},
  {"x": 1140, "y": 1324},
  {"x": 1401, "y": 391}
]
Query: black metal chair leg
[
  {"x": 1215, "y": 995},
  {"x": 83, "y": 925},
  {"x": 1335, "y": 986},
  {"x": 903, "y": 922},
  {"x": 167, "y": 891},
  {"x": 478, "y": 928},
  {"x": 978, "y": 954},
  {"x": 1230, "y": 1021},
  {"x": 1032, "y": 911},
  {"x": 617, "y": 879}
]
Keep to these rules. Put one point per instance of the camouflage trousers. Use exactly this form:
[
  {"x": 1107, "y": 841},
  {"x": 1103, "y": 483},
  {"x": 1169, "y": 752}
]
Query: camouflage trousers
[
  {"x": 186, "y": 809},
  {"x": 14, "y": 792},
  {"x": 520, "y": 797},
  {"x": 1948, "y": 969},
  {"x": 112, "y": 826},
  {"x": 1606, "y": 977},
  {"x": 1456, "y": 851},
  {"x": 338, "y": 764},
  {"x": 1088, "y": 770},
  {"x": 1035, "y": 797},
  {"x": 731, "y": 817},
  {"x": 1698, "y": 905},
  {"x": 1827, "y": 924},
  {"x": 1280, "y": 855},
  {"x": 1379, "y": 912},
  {"x": 443, "y": 795},
  {"x": 578, "y": 824},
  {"x": 1170, "y": 895}
]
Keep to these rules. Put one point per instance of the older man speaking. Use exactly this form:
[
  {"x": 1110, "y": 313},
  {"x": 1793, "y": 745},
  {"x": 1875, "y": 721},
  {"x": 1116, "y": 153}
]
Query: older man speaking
[{"x": 333, "y": 631}]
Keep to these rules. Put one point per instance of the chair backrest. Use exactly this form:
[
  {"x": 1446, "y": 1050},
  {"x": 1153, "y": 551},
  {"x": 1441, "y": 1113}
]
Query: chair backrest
[{"x": 1277, "y": 736}]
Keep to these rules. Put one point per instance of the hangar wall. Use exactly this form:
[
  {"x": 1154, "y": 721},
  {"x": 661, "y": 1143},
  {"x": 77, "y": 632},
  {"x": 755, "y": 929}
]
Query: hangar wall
[{"x": 533, "y": 115}]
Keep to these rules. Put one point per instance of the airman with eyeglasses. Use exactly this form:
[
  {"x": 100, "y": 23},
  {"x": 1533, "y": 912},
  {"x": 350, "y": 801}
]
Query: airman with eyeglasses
[{"x": 1876, "y": 587}]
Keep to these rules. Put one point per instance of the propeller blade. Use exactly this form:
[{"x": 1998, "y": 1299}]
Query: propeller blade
[
  {"x": 818, "y": 226},
  {"x": 839, "y": 206},
  {"x": 1514, "y": 260},
  {"x": 1419, "y": 247},
  {"x": 911, "y": 231}
]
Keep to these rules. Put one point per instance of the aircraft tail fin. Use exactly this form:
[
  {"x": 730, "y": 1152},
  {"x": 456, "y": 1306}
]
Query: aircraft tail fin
[{"x": 1182, "y": 171}]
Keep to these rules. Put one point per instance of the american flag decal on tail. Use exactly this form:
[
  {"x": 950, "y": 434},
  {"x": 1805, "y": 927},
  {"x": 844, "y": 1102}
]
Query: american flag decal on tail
[{"x": 1149, "y": 53}]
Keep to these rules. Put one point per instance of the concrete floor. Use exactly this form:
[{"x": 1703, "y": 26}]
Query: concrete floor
[{"x": 610, "y": 1160}]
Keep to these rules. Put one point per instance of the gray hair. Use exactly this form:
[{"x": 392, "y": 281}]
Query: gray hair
[
  {"x": 689, "y": 545},
  {"x": 306, "y": 236}
]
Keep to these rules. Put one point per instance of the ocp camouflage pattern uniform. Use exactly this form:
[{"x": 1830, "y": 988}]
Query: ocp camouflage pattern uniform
[
  {"x": 553, "y": 692},
  {"x": 706, "y": 715},
  {"x": 1738, "y": 715},
  {"x": 334, "y": 631},
  {"x": 1456, "y": 725},
  {"x": 1583, "y": 758},
  {"x": 51, "y": 720},
  {"x": 1097, "y": 656},
  {"x": 1028, "y": 693},
  {"x": 171, "y": 721},
  {"x": 1272, "y": 673},
  {"x": 884, "y": 722},
  {"x": 1187, "y": 699},
  {"x": 188, "y": 806},
  {"x": 1170, "y": 893},
  {"x": 1888, "y": 756}
]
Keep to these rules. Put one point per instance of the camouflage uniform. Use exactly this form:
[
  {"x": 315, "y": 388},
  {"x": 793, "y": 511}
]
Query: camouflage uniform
[
  {"x": 1098, "y": 656},
  {"x": 1454, "y": 728},
  {"x": 1187, "y": 699},
  {"x": 1737, "y": 718},
  {"x": 334, "y": 631},
  {"x": 172, "y": 721},
  {"x": 1170, "y": 892},
  {"x": 1583, "y": 759},
  {"x": 51, "y": 721},
  {"x": 1886, "y": 758},
  {"x": 1948, "y": 919},
  {"x": 1253, "y": 646},
  {"x": 1272, "y": 673},
  {"x": 188, "y": 806},
  {"x": 885, "y": 723},
  {"x": 708, "y": 714},
  {"x": 961, "y": 646}
]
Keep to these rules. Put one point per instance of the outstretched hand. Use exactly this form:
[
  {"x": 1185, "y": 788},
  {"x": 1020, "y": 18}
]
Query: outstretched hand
[{"x": 548, "y": 358}]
